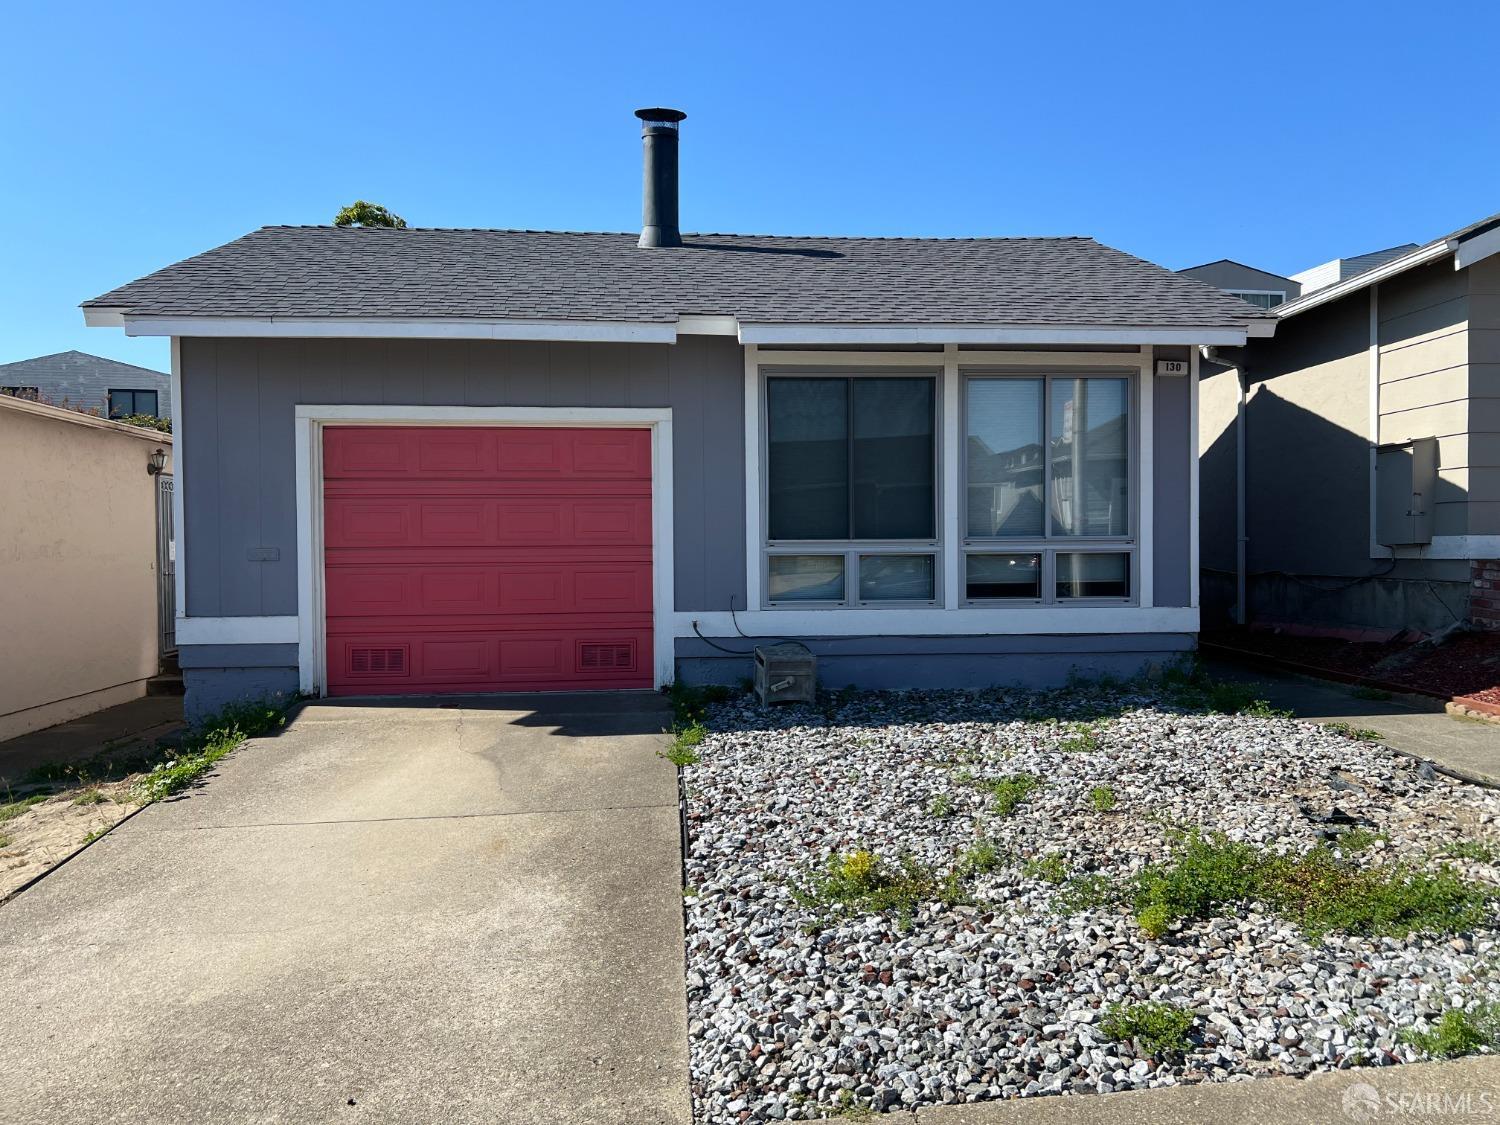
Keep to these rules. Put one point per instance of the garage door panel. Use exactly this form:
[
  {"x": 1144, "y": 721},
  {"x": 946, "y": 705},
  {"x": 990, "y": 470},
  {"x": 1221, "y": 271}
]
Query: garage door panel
[{"x": 485, "y": 559}]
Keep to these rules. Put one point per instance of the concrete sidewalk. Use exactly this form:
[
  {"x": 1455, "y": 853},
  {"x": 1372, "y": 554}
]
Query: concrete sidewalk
[
  {"x": 1465, "y": 1090},
  {"x": 464, "y": 913},
  {"x": 1468, "y": 748}
]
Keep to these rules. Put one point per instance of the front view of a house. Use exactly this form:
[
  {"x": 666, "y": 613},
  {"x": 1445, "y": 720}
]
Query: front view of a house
[{"x": 424, "y": 461}]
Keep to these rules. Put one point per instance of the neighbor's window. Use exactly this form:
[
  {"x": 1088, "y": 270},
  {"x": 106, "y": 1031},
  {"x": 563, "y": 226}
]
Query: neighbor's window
[
  {"x": 1260, "y": 298},
  {"x": 1048, "y": 461},
  {"x": 122, "y": 404},
  {"x": 851, "y": 489}
]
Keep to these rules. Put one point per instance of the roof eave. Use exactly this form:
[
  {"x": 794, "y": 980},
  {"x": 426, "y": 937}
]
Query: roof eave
[{"x": 667, "y": 332}]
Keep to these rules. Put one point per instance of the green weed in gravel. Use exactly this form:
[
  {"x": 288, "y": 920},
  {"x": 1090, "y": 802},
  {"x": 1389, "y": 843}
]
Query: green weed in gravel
[
  {"x": 940, "y": 806},
  {"x": 1352, "y": 732},
  {"x": 1457, "y": 1033},
  {"x": 1049, "y": 868},
  {"x": 1318, "y": 889},
  {"x": 1011, "y": 791},
  {"x": 1102, "y": 797},
  {"x": 1154, "y": 1026}
]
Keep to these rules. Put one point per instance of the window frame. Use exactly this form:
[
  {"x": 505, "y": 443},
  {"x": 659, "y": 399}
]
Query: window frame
[
  {"x": 109, "y": 400},
  {"x": 851, "y": 549},
  {"x": 1049, "y": 545}
]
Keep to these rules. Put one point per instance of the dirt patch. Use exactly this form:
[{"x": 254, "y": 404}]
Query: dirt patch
[{"x": 47, "y": 832}]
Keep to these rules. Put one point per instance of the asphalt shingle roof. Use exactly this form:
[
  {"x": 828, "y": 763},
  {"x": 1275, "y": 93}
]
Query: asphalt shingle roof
[{"x": 553, "y": 275}]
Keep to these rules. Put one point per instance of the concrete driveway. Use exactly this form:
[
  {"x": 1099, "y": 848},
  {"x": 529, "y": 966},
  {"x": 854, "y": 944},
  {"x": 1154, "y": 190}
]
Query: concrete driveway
[{"x": 412, "y": 913}]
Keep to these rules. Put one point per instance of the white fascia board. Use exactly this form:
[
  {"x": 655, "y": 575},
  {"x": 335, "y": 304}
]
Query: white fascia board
[
  {"x": 1261, "y": 328},
  {"x": 1418, "y": 257},
  {"x": 1476, "y": 249},
  {"x": 815, "y": 334},
  {"x": 103, "y": 318},
  {"x": 236, "y": 630},
  {"x": 590, "y": 331},
  {"x": 707, "y": 326}
]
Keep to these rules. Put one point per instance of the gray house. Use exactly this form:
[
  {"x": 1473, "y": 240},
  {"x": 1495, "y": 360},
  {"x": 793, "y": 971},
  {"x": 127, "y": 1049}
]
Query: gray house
[
  {"x": 417, "y": 461},
  {"x": 1260, "y": 288},
  {"x": 90, "y": 383},
  {"x": 1351, "y": 463}
]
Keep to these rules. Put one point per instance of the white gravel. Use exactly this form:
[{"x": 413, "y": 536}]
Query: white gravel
[{"x": 1003, "y": 998}]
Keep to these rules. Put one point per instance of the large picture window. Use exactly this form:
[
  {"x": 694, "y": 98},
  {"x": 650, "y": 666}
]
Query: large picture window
[
  {"x": 851, "y": 489},
  {"x": 1048, "y": 465}
]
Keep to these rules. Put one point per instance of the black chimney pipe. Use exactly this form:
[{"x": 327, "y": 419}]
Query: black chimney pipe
[{"x": 659, "y": 177}]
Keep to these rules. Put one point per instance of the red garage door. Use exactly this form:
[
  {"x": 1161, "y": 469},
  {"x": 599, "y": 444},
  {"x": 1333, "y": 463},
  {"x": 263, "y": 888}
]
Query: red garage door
[{"x": 498, "y": 559}]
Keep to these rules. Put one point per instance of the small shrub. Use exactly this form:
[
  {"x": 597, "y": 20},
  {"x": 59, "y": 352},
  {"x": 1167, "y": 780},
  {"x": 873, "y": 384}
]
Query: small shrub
[
  {"x": 1457, "y": 1032},
  {"x": 1012, "y": 791},
  {"x": 1352, "y": 732},
  {"x": 90, "y": 797},
  {"x": 1262, "y": 709},
  {"x": 940, "y": 806},
  {"x": 1049, "y": 868},
  {"x": 1156, "y": 1027},
  {"x": 1102, "y": 797},
  {"x": 1155, "y": 920}
]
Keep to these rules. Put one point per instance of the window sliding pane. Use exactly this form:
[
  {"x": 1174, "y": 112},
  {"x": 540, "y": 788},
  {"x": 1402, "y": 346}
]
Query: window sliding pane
[
  {"x": 806, "y": 578},
  {"x": 894, "y": 493},
  {"x": 1093, "y": 575},
  {"x": 807, "y": 458},
  {"x": 1004, "y": 576},
  {"x": 897, "y": 578},
  {"x": 1089, "y": 441},
  {"x": 1004, "y": 471}
]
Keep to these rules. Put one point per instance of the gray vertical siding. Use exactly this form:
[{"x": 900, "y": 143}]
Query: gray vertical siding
[
  {"x": 237, "y": 412},
  {"x": 238, "y": 478},
  {"x": 1171, "y": 505}
]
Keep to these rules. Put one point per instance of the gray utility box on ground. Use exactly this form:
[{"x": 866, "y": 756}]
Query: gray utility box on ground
[
  {"x": 786, "y": 673},
  {"x": 1405, "y": 481}
]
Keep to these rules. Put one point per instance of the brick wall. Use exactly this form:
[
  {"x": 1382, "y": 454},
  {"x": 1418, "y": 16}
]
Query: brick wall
[{"x": 1484, "y": 593}]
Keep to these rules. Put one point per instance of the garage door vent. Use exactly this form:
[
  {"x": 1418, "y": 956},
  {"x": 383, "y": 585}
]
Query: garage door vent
[
  {"x": 599, "y": 657},
  {"x": 377, "y": 661}
]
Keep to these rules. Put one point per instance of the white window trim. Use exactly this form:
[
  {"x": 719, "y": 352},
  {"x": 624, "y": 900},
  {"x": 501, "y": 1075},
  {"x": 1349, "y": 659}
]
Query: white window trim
[
  {"x": 310, "y": 420},
  {"x": 1081, "y": 615}
]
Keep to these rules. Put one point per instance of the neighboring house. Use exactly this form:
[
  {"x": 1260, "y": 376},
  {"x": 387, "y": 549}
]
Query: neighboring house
[
  {"x": 86, "y": 382},
  {"x": 1259, "y": 288},
  {"x": 1329, "y": 273},
  {"x": 425, "y": 461},
  {"x": 83, "y": 564},
  {"x": 1367, "y": 434}
]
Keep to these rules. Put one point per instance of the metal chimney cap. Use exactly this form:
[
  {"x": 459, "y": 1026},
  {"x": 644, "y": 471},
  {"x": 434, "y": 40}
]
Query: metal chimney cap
[{"x": 664, "y": 116}]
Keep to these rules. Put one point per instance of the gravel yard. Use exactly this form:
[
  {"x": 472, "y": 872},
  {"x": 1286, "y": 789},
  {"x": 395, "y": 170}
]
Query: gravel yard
[{"x": 927, "y": 898}]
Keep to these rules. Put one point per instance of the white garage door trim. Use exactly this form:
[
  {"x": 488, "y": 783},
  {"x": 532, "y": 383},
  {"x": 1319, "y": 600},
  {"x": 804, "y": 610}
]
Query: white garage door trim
[{"x": 310, "y": 420}]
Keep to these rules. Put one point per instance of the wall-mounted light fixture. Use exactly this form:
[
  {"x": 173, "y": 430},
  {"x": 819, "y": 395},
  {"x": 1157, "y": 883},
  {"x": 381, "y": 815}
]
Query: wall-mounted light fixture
[{"x": 156, "y": 462}]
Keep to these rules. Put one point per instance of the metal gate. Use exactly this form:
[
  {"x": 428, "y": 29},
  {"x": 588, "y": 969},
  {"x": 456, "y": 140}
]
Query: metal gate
[{"x": 166, "y": 567}]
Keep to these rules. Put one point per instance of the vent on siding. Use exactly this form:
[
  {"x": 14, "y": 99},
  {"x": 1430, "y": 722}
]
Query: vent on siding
[
  {"x": 602, "y": 657},
  {"x": 377, "y": 661}
]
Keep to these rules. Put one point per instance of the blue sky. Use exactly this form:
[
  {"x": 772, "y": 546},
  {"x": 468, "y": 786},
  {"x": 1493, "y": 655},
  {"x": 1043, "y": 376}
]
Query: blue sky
[{"x": 133, "y": 135}]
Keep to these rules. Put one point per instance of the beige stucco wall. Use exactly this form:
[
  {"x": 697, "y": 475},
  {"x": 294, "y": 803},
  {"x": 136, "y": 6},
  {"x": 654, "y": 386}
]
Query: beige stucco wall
[{"x": 78, "y": 591}]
